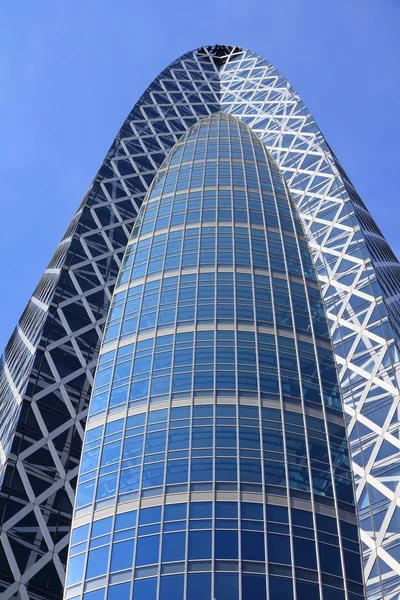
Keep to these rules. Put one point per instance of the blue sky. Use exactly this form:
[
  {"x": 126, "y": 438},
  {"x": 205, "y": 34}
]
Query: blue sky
[{"x": 71, "y": 71}]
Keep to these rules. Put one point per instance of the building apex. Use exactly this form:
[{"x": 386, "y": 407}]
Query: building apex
[{"x": 219, "y": 53}]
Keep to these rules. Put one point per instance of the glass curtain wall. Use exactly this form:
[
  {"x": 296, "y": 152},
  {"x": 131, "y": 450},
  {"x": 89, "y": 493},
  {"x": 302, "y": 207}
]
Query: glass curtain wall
[{"x": 215, "y": 461}]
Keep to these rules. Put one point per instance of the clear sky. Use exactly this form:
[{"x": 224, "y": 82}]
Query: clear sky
[{"x": 71, "y": 71}]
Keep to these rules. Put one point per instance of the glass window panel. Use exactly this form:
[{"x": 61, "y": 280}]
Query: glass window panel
[
  {"x": 145, "y": 588},
  {"x": 304, "y": 553},
  {"x": 252, "y": 511},
  {"x": 198, "y": 586},
  {"x": 329, "y": 557},
  {"x": 79, "y": 534},
  {"x": 252, "y": 545},
  {"x": 95, "y": 595},
  {"x": 226, "y": 586},
  {"x": 122, "y": 555},
  {"x": 200, "y": 510},
  {"x": 171, "y": 587},
  {"x": 150, "y": 515},
  {"x": 280, "y": 588},
  {"x": 199, "y": 544},
  {"x": 119, "y": 592},
  {"x": 97, "y": 562},
  {"x": 147, "y": 550},
  {"x": 201, "y": 469},
  {"x": 305, "y": 589},
  {"x": 175, "y": 512},
  {"x": 85, "y": 493},
  {"x": 75, "y": 569},
  {"x": 173, "y": 546},
  {"x": 253, "y": 586},
  {"x": 227, "y": 510},
  {"x": 101, "y": 526},
  {"x": 278, "y": 548},
  {"x": 226, "y": 544}
]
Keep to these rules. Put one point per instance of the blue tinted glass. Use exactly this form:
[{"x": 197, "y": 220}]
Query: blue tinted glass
[
  {"x": 278, "y": 549},
  {"x": 226, "y": 586},
  {"x": 353, "y": 566},
  {"x": 157, "y": 416},
  {"x": 200, "y": 510},
  {"x": 303, "y": 518},
  {"x": 305, "y": 589},
  {"x": 331, "y": 593},
  {"x": 228, "y": 510},
  {"x": 175, "y": 512},
  {"x": 147, "y": 550},
  {"x": 101, "y": 527},
  {"x": 253, "y": 586},
  {"x": 79, "y": 534},
  {"x": 239, "y": 251},
  {"x": 119, "y": 592},
  {"x": 171, "y": 587},
  {"x": 125, "y": 520},
  {"x": 173, "y": 547},
  {"x": 279, "y": 514},
  {"x": 198, "y": 586},
  {"x": 326, "y": 524},
  {"x": 226, "y": 544},
  {"x": 281, "y": 588},
  {"x": 252, "y": 511},
  {"x": 95, "y": 595},
  {"x": 180, "y": 413},
  {"x": 252, "y": 545},
  {"x": 329, "y": 557},
  {"x": 114, "y": 426},
  {"x": 150, "y": 515},
  {"x": 93, "y": 434},
  {"x": 85, "y": 493},
  {"x": 75, "y": 569},
  {"x": 97, "y": 562},
  {"x": 349, "y": 531},
  {"x": 145, "y": 588},
  {"x": 122, "y": 555},
  {"x": 199, "y": 544},
  {"x": 304, "y": 553},
  {"x": 203, "y": 411}
]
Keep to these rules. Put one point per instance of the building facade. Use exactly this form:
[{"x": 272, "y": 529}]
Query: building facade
[
  {"x": 48, "y": 366},
  {"x": 215, "y": 462}
]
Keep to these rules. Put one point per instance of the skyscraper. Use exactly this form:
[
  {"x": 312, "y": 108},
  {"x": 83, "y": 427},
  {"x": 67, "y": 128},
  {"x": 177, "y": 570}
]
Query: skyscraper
[
  {"x": 49, "y": 363},
  {"x": 216, "y": 443}
]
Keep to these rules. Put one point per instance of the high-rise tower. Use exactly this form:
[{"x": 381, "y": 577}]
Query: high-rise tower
[
  {"x": 215, "y": 462},
  {"x": 49, "y": 363}
]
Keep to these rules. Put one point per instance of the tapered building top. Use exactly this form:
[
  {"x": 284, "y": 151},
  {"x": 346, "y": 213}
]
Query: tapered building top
[
  {"x": 216, "y": 398},
  {"x": 48, "y": 365}
]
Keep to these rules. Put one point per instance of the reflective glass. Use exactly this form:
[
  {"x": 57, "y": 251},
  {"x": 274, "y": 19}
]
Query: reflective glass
[{"x": 231, "y": 383}]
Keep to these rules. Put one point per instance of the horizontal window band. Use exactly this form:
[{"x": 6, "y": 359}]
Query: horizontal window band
[
  {"x": 303, "y": 337},
  {"x": 206, "y": 224},
  {"x": 217, "y": 269},
  {"x": 217, "y": 496},
  {"x": 101, "y": 418}
]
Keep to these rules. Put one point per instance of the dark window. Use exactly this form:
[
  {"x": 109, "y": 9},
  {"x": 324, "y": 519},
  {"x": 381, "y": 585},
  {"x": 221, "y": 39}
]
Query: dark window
[
  {"x": 253, "y": 546},
  {"x": 226, "y": 544},
  {"x": 199, "y": 544},
  {"x": 226, "y": 586},
  {"x": 253, "y": 586}
]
